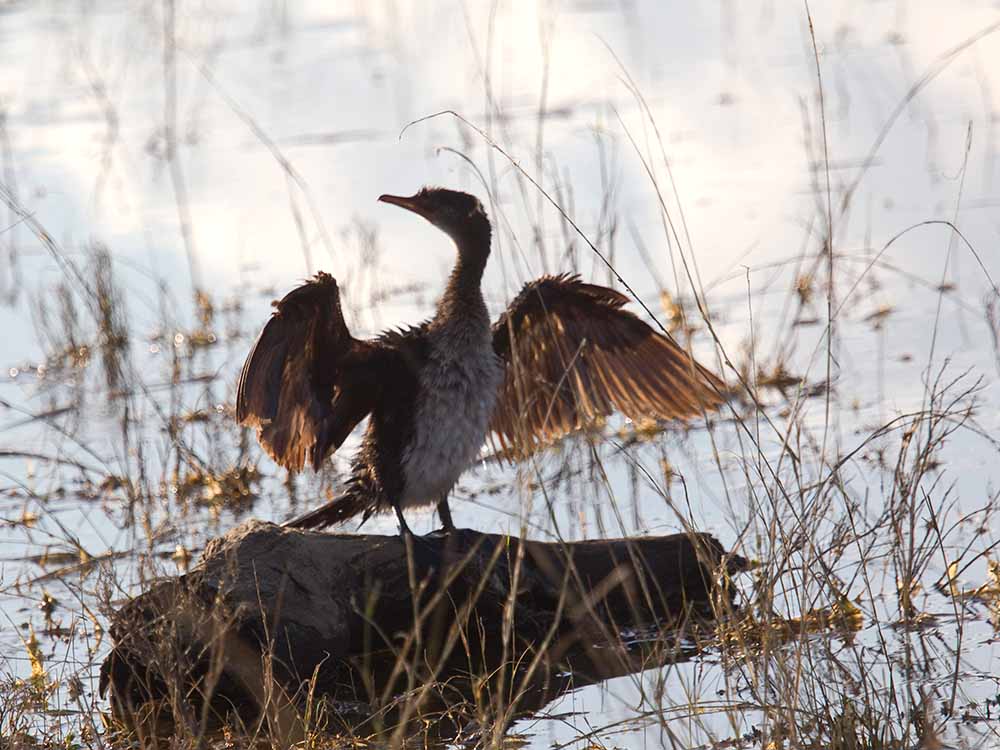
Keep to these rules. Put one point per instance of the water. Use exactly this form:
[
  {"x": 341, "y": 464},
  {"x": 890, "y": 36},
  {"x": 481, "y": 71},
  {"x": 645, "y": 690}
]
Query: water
[{"x": 285, "y": 123}]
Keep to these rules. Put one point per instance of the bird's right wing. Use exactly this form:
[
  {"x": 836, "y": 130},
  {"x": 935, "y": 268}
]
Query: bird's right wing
[{"x": 304, "y": 384}]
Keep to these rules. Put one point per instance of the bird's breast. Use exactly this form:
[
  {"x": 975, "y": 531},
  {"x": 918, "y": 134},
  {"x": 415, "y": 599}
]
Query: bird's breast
[{"x": 457, "y": 391}]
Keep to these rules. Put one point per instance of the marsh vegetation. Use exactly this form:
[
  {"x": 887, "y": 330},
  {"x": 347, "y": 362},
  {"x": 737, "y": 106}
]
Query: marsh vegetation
[{"x": 804, "y": 195}]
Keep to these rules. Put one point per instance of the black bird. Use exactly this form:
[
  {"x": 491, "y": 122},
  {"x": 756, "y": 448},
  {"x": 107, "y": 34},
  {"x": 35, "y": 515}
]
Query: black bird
[{"x": 563, "y": 353}]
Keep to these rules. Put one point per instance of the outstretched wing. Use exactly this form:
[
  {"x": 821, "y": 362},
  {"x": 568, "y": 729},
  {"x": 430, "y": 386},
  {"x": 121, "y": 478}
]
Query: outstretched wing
[
  {"x": 303, "y": 385},
  {"x": 572, "y": 354}
]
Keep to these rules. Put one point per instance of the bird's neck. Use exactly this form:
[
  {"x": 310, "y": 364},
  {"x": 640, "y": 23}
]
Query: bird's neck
[{"x": 463, "y": 295}]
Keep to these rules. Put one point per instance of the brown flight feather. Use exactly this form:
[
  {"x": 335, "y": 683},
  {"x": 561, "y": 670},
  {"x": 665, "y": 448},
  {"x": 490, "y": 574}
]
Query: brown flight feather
[
  {"x": 573, "y": 355},
  {"x": 301, "y": 385}
]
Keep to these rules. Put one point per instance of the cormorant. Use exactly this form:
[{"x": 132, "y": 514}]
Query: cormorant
[{"x": 563, "y": 353}]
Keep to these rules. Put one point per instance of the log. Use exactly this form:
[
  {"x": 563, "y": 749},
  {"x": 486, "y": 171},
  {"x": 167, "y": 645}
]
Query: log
[{"x": 295, "y": 631}]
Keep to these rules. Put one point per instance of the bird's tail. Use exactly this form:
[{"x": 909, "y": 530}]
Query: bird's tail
[{"x": 360, "y": 497}]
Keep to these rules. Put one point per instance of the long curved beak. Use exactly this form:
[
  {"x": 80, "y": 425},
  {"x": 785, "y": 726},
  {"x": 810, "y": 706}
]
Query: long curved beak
[{"x": 410, "y": 204}]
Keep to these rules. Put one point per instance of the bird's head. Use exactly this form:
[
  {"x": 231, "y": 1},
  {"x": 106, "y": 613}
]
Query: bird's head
[{"x": 458, "y": 214}]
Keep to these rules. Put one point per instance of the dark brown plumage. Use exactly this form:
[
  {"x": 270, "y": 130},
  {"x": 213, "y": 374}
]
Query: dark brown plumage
[
  {"x": 296, "y": 384},
  {"x": 307, "y": 384},
  {"x": 562, "y": 354},
  {"x": 572, "y": 354}
]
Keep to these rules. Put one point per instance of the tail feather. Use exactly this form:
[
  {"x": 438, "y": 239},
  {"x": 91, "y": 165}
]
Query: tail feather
[
  {"x": 361, "y": 497},
  {"x": 336, "y": 511}
]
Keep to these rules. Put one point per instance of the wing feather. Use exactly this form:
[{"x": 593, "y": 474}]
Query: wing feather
[
  {"x": 573, "y": 355},
  {"x": 304, "y": 384}
]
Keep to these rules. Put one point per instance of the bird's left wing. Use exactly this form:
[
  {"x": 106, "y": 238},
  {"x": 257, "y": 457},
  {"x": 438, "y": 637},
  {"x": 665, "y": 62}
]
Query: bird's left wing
[
  {"x": 572, "y": 354},
  {"x": 306, "y": 383}
]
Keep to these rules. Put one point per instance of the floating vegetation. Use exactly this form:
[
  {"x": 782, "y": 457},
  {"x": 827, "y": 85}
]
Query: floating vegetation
[
  {"x": 987, "y": 594},
  {"x": 232, "y": 489},
  {"x": 748, "y": 634}
]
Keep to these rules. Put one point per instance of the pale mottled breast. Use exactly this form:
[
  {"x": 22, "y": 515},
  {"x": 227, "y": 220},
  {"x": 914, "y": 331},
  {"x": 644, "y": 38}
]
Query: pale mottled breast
[{"x": 458, "y": 390}]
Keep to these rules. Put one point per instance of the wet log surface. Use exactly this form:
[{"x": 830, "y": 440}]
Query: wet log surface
[{"x": 288, "y": 629}]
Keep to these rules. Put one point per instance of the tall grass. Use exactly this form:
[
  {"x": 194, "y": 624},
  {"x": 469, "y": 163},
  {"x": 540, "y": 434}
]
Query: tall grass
[{"x": 866, "y": 620}]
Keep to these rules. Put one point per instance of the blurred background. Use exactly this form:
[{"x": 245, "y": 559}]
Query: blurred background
[{"x": 806, "y": 194}]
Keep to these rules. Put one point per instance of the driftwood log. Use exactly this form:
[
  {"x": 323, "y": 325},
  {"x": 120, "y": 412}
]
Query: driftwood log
[{"x": 288, "y": 631}]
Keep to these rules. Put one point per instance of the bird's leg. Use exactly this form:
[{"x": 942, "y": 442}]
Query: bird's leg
[
  {"x": 404, "y": 529},
  {"x": 444, "y": 513}
]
